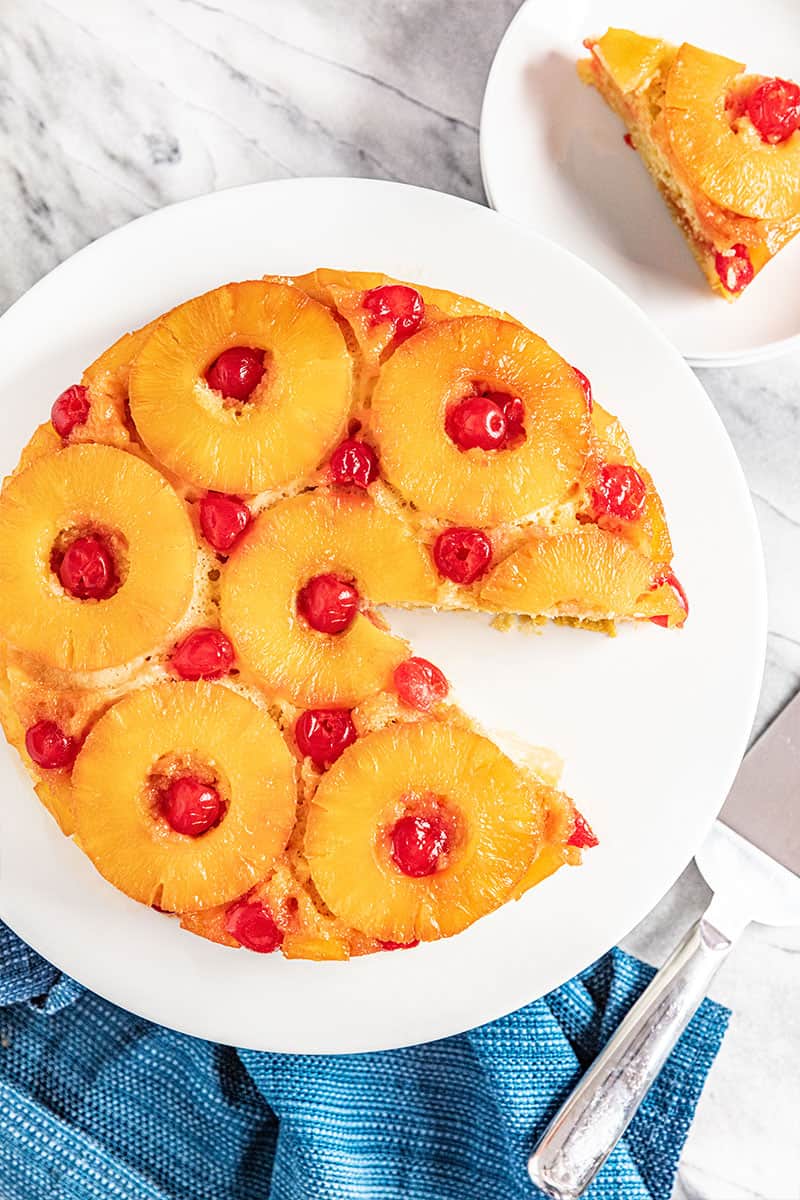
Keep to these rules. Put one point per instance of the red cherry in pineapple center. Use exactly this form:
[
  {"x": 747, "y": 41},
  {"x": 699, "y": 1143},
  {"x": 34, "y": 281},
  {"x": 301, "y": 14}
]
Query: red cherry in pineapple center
[
  {"x": 328, "y": 603},
  {"x": 251, "y": 923},
  {"x": 476, "y": 422},
  {"x": 774, "y": 109},
  {"x": 513, "y": 410},
  {"x": 417, "y": 844},
  {"x": 237, "y": 372},
  {"x": 190, "y": 806},
  {"x": 323, "y": 734},
  {"x": 86, "y": 570}
]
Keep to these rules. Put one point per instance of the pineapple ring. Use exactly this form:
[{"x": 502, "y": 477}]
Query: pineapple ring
[
  {"x": 296, "y": 415},
  {"x": 479, "y": 487},
  {"x": 344, "y": 291},
  {"x": 135, "y": 849},
  {"x": 311, "y": 534},
  {"x": 78, "y": 486},
  {"x": 733, "y": 167},
  {"x": 500, "y": 813},
  {"x": 570, "y": 574}
]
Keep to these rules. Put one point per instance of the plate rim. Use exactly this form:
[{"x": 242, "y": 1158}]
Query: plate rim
[
  {"x": 759, "y": 354},
  {"x": 499, "y": 1007}
]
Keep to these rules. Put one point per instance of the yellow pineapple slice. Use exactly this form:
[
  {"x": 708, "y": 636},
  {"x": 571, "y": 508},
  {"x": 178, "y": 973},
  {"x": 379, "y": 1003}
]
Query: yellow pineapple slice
[
  {"x": 493, "y": 811},
  {"x": 725, "y": 157},
  {"x": 59, "y": 497},
  {"x": 158, "y": 733},
  {"x": 630, "y": 59},
  {"x": 44, "y": 440},
  {"x": 435, "y": 370},
  {"x": 346, "y": 292},
  {"x": 106, "y": 382},
  {"x": 649, "y": 533},
  {"x": 291, "y": 421},
  {"x": 314, "y": 534},
  {"x": 734, "y": 193},
  {"x": 589, "y": 574}
]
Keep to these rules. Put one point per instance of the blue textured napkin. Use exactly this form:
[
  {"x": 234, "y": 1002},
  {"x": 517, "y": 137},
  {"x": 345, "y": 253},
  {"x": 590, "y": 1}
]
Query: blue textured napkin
[{"x": 96, "y": 1104}]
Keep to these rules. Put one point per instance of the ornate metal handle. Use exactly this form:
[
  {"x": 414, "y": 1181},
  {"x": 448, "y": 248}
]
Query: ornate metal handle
[{"x": 586, "y": 1129}]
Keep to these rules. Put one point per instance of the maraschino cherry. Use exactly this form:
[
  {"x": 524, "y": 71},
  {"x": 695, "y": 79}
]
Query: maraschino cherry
[
  {"x": 420, "y": 684},
  {"x": 237, "y": 372},
  {"x": 251, "y": 923},
  {"x": 417, "y": 844},
  {"x": 328, "y": 603},
  {"x": 582, "y": 834},
  {"x": 734, "y": 267},
  {"x": 70, "y": 410},
  {"x": 395, "y": 302},
  {"x": 190, "y": 806},
  {"x": 203, "y": 654},
  {"x": 774, "y": 109},
  {"x": 476, "y": 422},
  {"x": 462, "y": 554},
  {"x": 618, "y": 491},
  {"x": 323, "y": 734},
  {"x": 50, "y": 746},
  {"x": 223, "y": 520},
  {"x": 353, "y": 461},
  {"x": 86, "y": 569}
]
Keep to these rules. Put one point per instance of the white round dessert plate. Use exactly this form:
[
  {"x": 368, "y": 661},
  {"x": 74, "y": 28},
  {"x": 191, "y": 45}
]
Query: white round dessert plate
[
  {"x": 651, "y": 724},
  {"x": 553, "y": 156}
]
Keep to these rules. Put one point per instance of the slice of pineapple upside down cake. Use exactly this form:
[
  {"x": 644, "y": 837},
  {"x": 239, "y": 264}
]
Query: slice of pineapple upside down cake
[{"x": 192, "y": 552}]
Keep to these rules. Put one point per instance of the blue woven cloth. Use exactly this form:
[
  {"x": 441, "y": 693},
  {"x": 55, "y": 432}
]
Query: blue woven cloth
[{"x": 96, "y": 1104}]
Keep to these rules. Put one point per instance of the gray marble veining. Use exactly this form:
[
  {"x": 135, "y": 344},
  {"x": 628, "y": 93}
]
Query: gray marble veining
[{"x": 111, "y": 109}]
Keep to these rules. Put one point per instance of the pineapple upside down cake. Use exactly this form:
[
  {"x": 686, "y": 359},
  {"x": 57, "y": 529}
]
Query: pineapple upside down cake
[
  {"x": 192, "y": 551},
  {"x": 723, "y": 147}
]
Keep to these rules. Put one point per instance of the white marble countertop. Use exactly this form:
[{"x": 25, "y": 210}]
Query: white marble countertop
[{"x": 110, "y": 108}]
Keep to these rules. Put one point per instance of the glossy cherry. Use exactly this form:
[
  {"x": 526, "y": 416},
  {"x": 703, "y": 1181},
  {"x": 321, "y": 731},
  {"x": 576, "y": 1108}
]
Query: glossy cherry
[
  {"x": 328, "y": 603},
  {"x": 513, "y": 410},
  {"x": 190, "y": 806},
  {"x": 476, "y": 422},
  {"x": 223, "y": 519},
  {"x": 237, "y": 372},
  {"x": 49, "y": 746},
  {"x": 774, "y": 109},
  {"x": 734, "y": 267},
  {"x": 417, "y": 844},
  {"x": 618, "y": 491},
  {"x": 322, "y": 734},
  {"x": 86, "y": 569},
  {"x": 395, "y": 302},
  {"x": 70, "y": 409},
  {"x": 251, "y": 923},
  {"x": 462, "y": 554},
  {"x": 420, "y": 684},
  {"x": 672, "y": 579},
  {"x": 398, "y": 945},
  {"x": 355, "y": 462},
  {"x": 203, "y": 654},
  {"x": 587, "y": 387},
  {"x": 582, "y": 834}
]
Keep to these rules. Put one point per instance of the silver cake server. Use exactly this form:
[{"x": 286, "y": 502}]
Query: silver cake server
[{"x": 751, "y": 861}]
